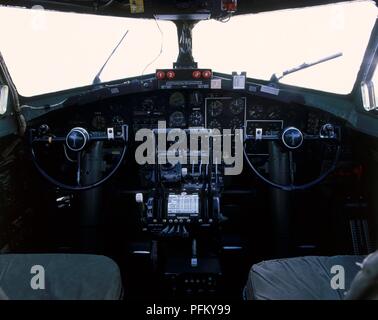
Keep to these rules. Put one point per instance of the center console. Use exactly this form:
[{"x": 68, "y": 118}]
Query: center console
[
  {"x": 184, "y": 198},
  {"x": 181, "y": 212}
]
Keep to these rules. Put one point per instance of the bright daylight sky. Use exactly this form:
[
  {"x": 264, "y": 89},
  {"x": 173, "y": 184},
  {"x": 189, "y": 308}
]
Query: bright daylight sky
[{"x": 50, "y": 51}]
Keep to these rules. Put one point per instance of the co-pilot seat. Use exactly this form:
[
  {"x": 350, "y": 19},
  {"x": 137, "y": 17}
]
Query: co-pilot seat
[{"x": 313, "y": 278}]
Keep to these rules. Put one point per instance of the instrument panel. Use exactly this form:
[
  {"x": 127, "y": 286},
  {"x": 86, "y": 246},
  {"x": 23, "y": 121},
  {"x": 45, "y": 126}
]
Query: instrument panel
[{"x": 198, "y": 108}]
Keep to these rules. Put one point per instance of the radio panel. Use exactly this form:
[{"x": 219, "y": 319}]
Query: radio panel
[{"x": 183, "y": 205}]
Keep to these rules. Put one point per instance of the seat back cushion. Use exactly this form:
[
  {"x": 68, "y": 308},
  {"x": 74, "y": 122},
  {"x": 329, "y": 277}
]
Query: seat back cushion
[
  {"x": 302, "y": 278},
  {"x": 59, "y": 277},
  {"x": 365, "y": 284}
]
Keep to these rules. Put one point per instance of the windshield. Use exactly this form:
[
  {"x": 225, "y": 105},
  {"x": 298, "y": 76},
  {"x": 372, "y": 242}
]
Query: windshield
[
  {"x": 267, "y": 43},
  {"x": 49, "y": 51}
]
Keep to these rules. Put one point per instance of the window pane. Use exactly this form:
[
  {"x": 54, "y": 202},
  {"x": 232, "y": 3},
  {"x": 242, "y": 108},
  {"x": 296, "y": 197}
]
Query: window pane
[
  {"x": 375, "y": 85},
  {"x": 48, "y": 51},
  {"x": 266, "y": 43}
]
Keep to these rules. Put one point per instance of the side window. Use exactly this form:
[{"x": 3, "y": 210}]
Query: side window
[
  {"x": 374, "y": 80},
  {"x": 4, "y": 92},
  {"x": 369, "y": 90}
]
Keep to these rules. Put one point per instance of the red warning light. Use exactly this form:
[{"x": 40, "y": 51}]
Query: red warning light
[
  {"x": 230, "y": 6},
  {"x": 196, "y": 74},
  {"x": 160, "y": 75},
  {"x": 171, "y": 74},
  {"x": 206, "y": 74}
]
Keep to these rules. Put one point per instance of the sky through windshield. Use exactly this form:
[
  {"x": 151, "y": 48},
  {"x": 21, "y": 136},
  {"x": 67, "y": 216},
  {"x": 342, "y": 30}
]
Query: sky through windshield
[{"x": 50, "y": 51}]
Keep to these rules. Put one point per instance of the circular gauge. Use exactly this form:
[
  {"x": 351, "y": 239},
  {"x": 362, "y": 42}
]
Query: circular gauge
[
  {"x": 196, "y": 119},
  {"x": 99, "y": 122},
  {"x": 177, "y": 119},
  {"x": 256, "y": 112},
  {"x": 235, "y": 123},
  {"x": 148, "y": 105},
  {"x": 177, "y": 99},
  {"x": 273, "y": 113},
  {"x": 118, "y": 120},
  {"x": 215, "y": 124},
  {"x": 215, "y": 108},
  {"x": 195, "y": 99},
  {"x": 237, "y": 106}
]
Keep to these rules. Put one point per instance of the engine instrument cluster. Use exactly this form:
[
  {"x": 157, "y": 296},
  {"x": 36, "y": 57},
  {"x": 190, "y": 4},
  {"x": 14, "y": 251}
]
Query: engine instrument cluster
[{"x": 225, "y": 112}]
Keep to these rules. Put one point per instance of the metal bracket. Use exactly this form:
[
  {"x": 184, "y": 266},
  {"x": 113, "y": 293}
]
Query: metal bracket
[
  {"x": 259, "y": 134},
  {"x": 110, "y": 133}
]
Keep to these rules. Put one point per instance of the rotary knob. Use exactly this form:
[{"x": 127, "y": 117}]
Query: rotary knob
[{"x": 327, "y": 131}]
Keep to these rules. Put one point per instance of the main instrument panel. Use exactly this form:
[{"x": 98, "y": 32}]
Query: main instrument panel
[{"x": 198, "y": 108}]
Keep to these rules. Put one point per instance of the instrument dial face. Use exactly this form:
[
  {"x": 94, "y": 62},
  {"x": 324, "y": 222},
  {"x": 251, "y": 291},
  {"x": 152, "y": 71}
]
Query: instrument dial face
[
  {"x": 235, "y": 123},
  {"x": 216, "y": 108},
  {"x": 176, "y": 100},
  {"x": 118, "y": 121},
  {"x": 256, "y": 112},
  {"x": 237, "y": 106},
  {"x": 196, "y": 119},
  {"x": 215, "y": 124},
  {"x": 273, "y": 113},
  {"x": 196, "y": 99},
  {"x": 177, "y": 119},
  {"x": 99, "y": 122},
  {"x": 148, "y": 105}
]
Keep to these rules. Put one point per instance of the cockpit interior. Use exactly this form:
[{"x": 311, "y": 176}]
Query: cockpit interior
[{"x": 190, "y": 182}]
